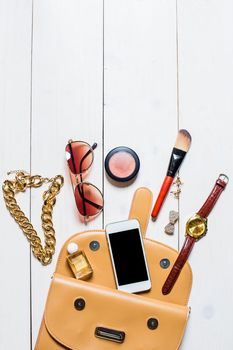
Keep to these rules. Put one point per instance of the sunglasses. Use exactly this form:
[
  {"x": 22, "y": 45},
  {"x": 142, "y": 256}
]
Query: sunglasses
[{"x": 88, "y": 198}]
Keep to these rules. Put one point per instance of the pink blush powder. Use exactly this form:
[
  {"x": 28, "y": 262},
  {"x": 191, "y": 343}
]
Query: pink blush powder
[{"x": 122, "y": 164}]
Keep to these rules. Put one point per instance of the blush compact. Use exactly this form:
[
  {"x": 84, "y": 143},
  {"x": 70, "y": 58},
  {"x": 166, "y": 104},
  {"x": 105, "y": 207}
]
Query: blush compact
[{"x": 122, "y": 164}]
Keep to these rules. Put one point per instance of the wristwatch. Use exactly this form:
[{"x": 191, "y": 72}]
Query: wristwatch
[{"x": 196, "y": 228}]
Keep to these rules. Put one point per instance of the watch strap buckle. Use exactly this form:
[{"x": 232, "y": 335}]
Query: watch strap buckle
[{"x": 224, "y": 178}]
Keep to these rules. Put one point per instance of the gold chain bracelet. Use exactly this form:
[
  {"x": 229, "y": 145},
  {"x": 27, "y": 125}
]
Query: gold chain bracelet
[{"x": 21, "y": 182}]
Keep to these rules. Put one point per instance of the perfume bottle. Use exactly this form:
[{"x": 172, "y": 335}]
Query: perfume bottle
[{"x": 78, "y": 262}]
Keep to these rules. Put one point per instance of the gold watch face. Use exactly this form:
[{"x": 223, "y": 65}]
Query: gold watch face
[{"x": 196, "y": 226}]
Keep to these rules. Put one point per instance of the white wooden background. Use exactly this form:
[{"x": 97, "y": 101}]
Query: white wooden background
[{"x": 119, "y": 73}]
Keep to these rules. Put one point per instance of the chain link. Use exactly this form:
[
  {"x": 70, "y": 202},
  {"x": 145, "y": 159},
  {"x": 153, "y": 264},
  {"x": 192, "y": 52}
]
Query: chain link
[{"x": 21, "y": 182}]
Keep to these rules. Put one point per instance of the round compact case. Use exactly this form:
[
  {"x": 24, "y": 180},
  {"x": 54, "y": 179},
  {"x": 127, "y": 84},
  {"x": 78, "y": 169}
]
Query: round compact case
[
  {"x": 84, "y": 315},
  {"x": 122, "y": 165}
]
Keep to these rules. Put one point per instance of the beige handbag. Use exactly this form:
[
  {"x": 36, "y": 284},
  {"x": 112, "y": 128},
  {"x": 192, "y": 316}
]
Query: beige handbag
[{"x": 78, "y": 312}]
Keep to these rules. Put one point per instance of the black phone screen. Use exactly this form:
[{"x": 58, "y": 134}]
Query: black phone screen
[{"x": 128, "y": 257}]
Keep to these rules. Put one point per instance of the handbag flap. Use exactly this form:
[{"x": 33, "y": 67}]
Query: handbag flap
[{"x": 112, "y": 309}]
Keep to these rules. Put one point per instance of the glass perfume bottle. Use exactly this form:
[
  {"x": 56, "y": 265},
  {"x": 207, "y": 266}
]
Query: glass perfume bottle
[{"x": 78, "y": 262}]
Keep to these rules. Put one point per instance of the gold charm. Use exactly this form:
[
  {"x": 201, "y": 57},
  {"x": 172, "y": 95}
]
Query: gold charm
[{"x": 178, "y": 185}]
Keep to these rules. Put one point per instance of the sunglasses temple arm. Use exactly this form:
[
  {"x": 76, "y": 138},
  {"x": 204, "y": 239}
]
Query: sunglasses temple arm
[
  {"x": 83, "y": 201},
  {"x": 94, "y": 146},
  {"x": 86, "y": 155},
  {"x": 95, "y": 205}
]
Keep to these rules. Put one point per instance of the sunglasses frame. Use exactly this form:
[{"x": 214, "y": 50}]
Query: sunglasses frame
[{"x": 77, "y": 179}]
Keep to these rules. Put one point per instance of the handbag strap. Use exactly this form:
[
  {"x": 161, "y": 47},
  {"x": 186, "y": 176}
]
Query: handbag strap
[{"x": 141, "y": 207}]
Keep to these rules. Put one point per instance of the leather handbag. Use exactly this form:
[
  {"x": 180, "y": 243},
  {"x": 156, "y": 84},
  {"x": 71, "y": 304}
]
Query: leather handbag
[{"x": 77, "y": 312}]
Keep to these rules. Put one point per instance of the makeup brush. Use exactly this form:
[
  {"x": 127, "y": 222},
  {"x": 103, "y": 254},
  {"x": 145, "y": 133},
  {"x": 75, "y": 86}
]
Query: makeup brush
[{"x": 183, "y": 142}]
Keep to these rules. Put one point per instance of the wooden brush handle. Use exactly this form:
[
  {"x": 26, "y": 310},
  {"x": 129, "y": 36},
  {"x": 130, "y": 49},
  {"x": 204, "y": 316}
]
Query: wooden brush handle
[{"x": 162, "y": 195}]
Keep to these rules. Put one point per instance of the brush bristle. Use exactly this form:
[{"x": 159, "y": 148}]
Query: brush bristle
[{"x": 183, "y": 140}]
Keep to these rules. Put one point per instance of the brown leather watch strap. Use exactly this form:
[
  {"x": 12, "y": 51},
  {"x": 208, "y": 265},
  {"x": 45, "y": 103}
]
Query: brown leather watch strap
[
  {"x": 213, "y": 197},
  {"x": 178, "y": 265},
  {"x": 189, "y": 241}
]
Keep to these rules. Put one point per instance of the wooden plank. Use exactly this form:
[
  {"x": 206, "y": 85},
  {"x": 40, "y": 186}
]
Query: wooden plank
[
  {"x": 140, "y": 99},
  {"x": 67, "y": 104},
  {"x": 206, "y": 107},
  {"x": 15, "y": 67}
]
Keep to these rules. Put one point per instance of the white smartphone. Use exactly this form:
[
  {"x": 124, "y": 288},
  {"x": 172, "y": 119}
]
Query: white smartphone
[{"x": 128, "y": 256}]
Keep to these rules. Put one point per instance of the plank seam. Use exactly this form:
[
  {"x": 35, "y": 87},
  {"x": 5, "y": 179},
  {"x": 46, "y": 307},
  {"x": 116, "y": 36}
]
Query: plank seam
[
  {"x": 30, "y": 198},
  {"x": 177, "y": 102},
  {"x": 103, "y": 111}
]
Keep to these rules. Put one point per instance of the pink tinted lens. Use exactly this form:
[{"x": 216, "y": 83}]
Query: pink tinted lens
[
  {"x": 79, "y": 157},
  {"x": 89, "y": 199}
]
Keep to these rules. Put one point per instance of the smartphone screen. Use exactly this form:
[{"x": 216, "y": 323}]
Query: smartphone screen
[{"x": 128, "y": 257}]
